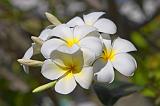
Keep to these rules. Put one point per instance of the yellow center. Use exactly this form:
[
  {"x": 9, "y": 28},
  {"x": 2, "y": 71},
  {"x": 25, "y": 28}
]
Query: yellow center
[
  {"x": 108, "y": 55},
  {"x": 72, "y": 41},
  {"x": 72, "y": 69}
]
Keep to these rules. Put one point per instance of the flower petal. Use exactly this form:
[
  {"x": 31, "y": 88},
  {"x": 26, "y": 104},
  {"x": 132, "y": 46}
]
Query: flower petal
[
  {"x": 66, "y": 84},
  {"x": 108, "y": 45},
  {"x": 106, "y": 36},
  {"x": 45, "y": 34},
  {"x": 92, "y": 43},
  {"x": 84, "y": 78},
  {"x": 91, "y": 18},
  {"x": 121, "y": 46},
  {"x": 68, "y": 59},
  {"x": 125, "y": 64},
  {"x": 69, "y": 50},
  {"x": 62, "y": 31},
  {"x": 76, "y": 21},
  {"x": 81, "y": 31},
  {"x": 106, "y": 74},
  {"x": 51, "y": 71},
  {"x": 61, "y": 58},
  {"x": 50, "y": 46},
  {"x": 27, "y": 55},
  {"x": 106, "y": 26},
  {"x": 99, "y": 64},
  {"x": 88, "y": 56}
]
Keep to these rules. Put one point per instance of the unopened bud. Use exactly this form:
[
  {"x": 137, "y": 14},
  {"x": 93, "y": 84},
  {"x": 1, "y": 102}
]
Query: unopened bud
[
  {"x": 37, "y": 40},
  {"x": 44, "y": 87},
  {"x": 30, "y": 62},
  {"x": 52, "y": 19}
]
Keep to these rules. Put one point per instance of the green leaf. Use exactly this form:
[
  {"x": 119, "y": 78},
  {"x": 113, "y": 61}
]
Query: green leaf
[
  {"x": 139, "y": 40},
  {"x": 44, "y": 87},
  {"x": 109, "y": 94},
  {"x": 149, "y": 92}
]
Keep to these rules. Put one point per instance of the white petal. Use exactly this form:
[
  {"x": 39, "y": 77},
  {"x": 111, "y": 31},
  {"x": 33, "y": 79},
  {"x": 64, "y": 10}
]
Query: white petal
[
  {"x": 76, "y": 21},
  {"x": 78, "y": 59},
  {"x": 81, "y": 31},
  {"x": 68, "y": 59},
  {"x": 121, "y": 46},
  {"x": 50, "y": 46},
  {"x": 45, "y": 34},
  {"x": 33, "y": 50},
  {"x": 84, "y": 78},
  {"x": 99, "y": 64},
  {"x": 106, "y": 74},
  {"x": 51, "y": 71},
  {"x": 62, "y": 31},
  {"x": 106, "y": 36},
  {"x": 69, "y": 50},
  {"x": 89, "y": 56},
  {"x": 108, "y": 45},
  {"x": 106, "y": 26},
  {"x": 94, "y": 34},
  {"x": 25, "y": 68},
  {"x": 66, "y": 84},
  {"x": 92, "y": 43},
  {"x": 125, "y": 64},
  {"x": 27, "y": 55},
  {"x": 61, "y": 58},
  {"x": 91, "y": 18}
]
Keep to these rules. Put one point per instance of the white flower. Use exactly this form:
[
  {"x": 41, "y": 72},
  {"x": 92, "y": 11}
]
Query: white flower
[
  {"x": 68, "y": 70},
  {"x": 31, "y": 51},
  {"x": 115, "y": 56},
  {"x": 72, "y": 39},
  {"x": 103, "y": 25}
]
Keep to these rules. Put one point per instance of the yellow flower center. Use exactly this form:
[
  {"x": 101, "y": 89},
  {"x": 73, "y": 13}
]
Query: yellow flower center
[
  {"x": 108, "y": 55},
  {"x": 72, "y": 69},
  {"x": 72, "y": 41}
]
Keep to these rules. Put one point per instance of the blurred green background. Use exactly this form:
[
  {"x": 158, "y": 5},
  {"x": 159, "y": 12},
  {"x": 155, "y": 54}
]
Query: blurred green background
[{"x": 137, "y": 20}]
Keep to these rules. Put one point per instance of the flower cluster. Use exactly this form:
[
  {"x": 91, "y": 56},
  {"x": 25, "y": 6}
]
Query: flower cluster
[{"x": 80, "y": 51}]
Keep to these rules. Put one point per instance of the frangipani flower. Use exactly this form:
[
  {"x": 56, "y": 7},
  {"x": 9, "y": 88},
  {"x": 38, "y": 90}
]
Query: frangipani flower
[
  {"x": 33, "y": 49},
  {"x": 78, "y": 50},
  {"x": 115, "y": 56},
  {"x": 68, "y": 70},
  {"x": 102, "y": 25},
  {"x": 70, "y": 40}
]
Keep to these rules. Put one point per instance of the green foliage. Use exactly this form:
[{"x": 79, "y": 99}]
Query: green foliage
[
  {"x": 139, "y": 40},
  {"x": 148, "y": 57},
  {"x": 14, "y": 98},
  {"x": 111, "y": 93}
]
